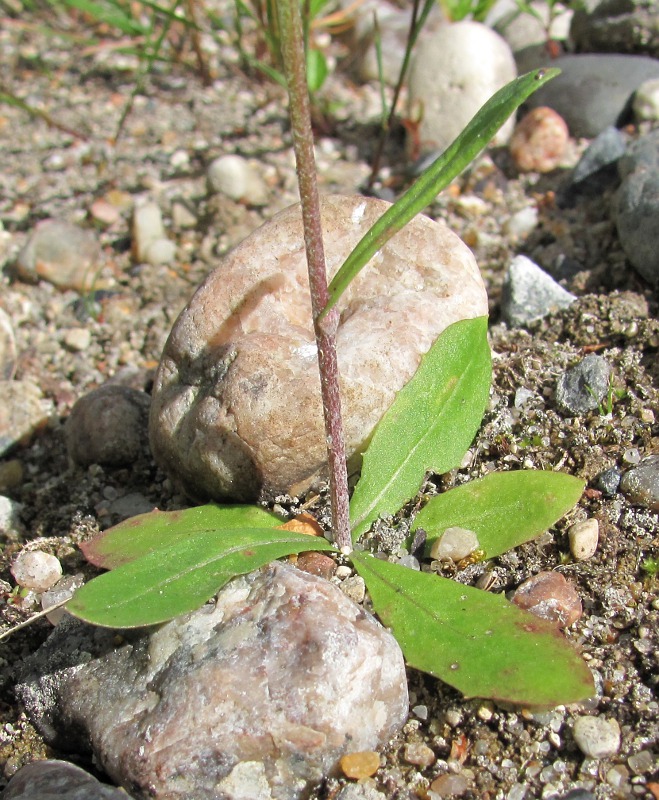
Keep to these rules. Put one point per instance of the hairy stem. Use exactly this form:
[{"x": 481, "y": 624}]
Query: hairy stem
[{"x": 293, "y": 56}]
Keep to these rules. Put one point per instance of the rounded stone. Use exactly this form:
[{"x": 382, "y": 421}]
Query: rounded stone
[
  {"x": 597, "y": 737},
  {"x": 360, "y": 765},
  {"x": 646, "y": 101},
  {"x": 108, "y": 426},
  {"x": 539, "y": 141},
  {"x": 584, "y": 537},
  {"x": 34, "y": 569},
  {"x": 584, "y": 387},
  {"x": 23, "y": 412},
  {"x": 147, "y": 229},
  {"x": 454, "y": 544},
  {"x": 54, "y": 780},
  {"x": 550, "y": 596},
  {"x": 641, "y": 484},
  {"x": 236, "y": 410},
  {"x": 238, "y": 179}
]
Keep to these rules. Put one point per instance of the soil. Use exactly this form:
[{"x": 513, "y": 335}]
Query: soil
[{"x": 177, "y": 125}]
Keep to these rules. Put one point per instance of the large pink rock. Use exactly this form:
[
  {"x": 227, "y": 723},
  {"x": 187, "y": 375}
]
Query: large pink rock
[{"x": 236, "y": 409}]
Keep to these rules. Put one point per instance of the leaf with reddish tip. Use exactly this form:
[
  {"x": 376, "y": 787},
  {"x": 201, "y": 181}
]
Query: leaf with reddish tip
[{"x": 478, "y": 642}]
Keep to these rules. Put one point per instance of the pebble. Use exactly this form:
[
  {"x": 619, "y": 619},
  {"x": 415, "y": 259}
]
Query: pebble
[
  {"x": 9, "y": 514},
  {"x": 641, "y": 484},
  {"x": 646, "y": 101},
  {"x": 222, "y": 423},
  {"x": 23, "y": 412},
  {"x": 522, "y": 222},
  {"x": 360, "y": 765},
  {"x": 637, "y": 205},
  {"x": 55, "y": 780},
  {"x": 584, "y": 537},
  {"x": 77, "y": 339},
  {"x": 356, "y": 791},
  {"x": 608, "y": 481},
  {"x": 419, "y": 754},
  {"x": 150, "y": 244},
  {"x": 594, "y": 91},
  {"x": 355, "y": 588},
  {"x": 237, "y": 178},
  {"x": 579, "y": 794},
  {"x": 108, "y": 426},
  {"x": 11, "y": 474},
  {"x": 454, "y": 71},
  {"x": 641, "y": 763},
  {"x": 130, "y": 505},
  {"x": 597, "y": 167},
  {"x": 602, "y": 26},
  {"x": 268, "y": 687},
  {"x": 597, "y": 737},
  {"x": 449, "y": 785},
  {"x": 584, "y": 387},
  {"x": 62, "y": 590},
  {"x": 160, "y": 251},
  {"x": 529, "y": 293},
  {"x": 36, "y": 570},
  {"x": 316, "y": 564},
  {"x": 7, "y": 347},
  {"x": 539, "y": 141},
  {"x": 454, "y": 544},
  {"x": 62, "y": 254},
  {"x": 550, "y": 596}
]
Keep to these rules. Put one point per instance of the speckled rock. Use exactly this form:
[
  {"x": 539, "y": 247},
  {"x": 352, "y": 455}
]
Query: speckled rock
[
  {"x": 616, "y": 26},
  {"x": 583, "y": 387},
  {"x": 539, "y": 141},
  {"x": 23, "y": 412},
  {"x": 550, "y": 596},
  {"x": 36, "y": 570},
  {"x": 597, "y": 737},
  {"x": 108, "y": 426},
  {"x": 58, "y": 780},
  {"x": 529, "y": 294},
  {"x": 641, "y": 484},
  {"x": 584, "y": 537},
  {"x": 261, "y": 693},
  {"x": 63, "y": 254},
  {"x": 236, "y": 403},
  {"x": 454, "y": 71}
]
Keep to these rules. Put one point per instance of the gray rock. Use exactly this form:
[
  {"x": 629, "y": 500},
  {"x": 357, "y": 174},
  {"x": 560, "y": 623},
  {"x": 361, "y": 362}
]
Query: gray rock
[
  {"x": 23, "y": 412},
  {"x": 62, "y": 254},
  {"x": 530, "y": 294},
  {"x": 7, "y": 347},
  {"x": 108, "y": 426},
  {"x": 522, "y": 30},
  {"x": 597, "y": 167},
  {"x": 646, "y": 101},
  {"x": 582, "y": 388},
  {"x": 597, "y": 737},
  {"x": 616, "y": 26},
  {"x": 58, "y": 780},
  {"x": 641, "y": 484},
  {"x": 636, "y": 206},
  {"x": 454, "y": 71},
  {"x": 608, "y": 481},
  {"x": 236, "y": 403},
  {"x": 594, "y": 91},
  {"x": 257, "y": 696},
  {"x": 10, "y": 512}
]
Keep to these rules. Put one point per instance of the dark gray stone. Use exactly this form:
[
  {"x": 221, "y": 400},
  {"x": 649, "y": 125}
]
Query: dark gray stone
[
  {"x": 641, "y": 484},
  {"x": 594, "y": 91},
  {"x": 58, "y": 780},
  {"x": 530, "y": 294},
  {"x": 616, "y": 26},
  {"x": 597, "y": 167},
  {"x": 582, "y": 388},
  {"x": 608, "y": 481}
]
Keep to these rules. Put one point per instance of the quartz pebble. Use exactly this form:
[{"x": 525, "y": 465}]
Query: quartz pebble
[
  {"x": 236, "y": 409},
  {"x": 360, "y": 765},
  {"x": 584, "y": 537},
  {"x": 269, "y": 687},
  {"x": 150, "y": 243},
  {"x": 454, "y": 544},
  {"x": 597, "y": 737},
  {"x": 7, "y": 347},
  {"x": 36, "y": 570},
  {"x": 550, "y": 596},
  {"x": 641, "y": 484},
  {"x": 539, "y": 141},
  {"x": 58, "y": 780},
  {"x": 238, "y": 179},
  {"x": 108, "y": 426},
  {"x": 23, "y": 412},
  {"x": 646, "y": 101},
  {"x": 583, "y": 387},
  {"x": 529, "y": 293},
  {"x": 77, "y": 339},
  {"x": 357, "y": 791},
  {"x": 355, "y": 588},
  {"x": 419, "y": 754},
  {"x": 449, "y": 786},
  {"x": 62, "y": 254}
]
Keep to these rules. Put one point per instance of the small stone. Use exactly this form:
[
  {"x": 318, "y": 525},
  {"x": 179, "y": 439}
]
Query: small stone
[
  {"x": 360, "y": 765},
  {"x": 419, "y": 754},
  {"x": 316, "y": 563},
  {"x": 238, "y": 179},
  {"x": 584, "y": 537},
  {"x": 63, "y": 590},
  {"x": 103, "y": 211},
  {"x": 130, "y": 505},
  {"x": 550, "y": 596},
  {"x": 160, "y": 251},
  {"x": 582, "y": 388},
  {"x": 7, "y": 348},
  {"x": 11, "y": 474},
  {"x": 597, "y": 737},
  {"x": 183, "y": 217},
  {"x": 529, "y": 293},
  {"x": 539, "y": 141},
  {"x": 522, "y": 222},
  {"x": 62, "y": 254},
  {"x": 641, "y": 484},
  {"x": 355, "y": 588},
  {"x": 56, "y": 780},
  {"x": 77, "y": 339},
  {"x": 641, "y": 763},
  {"x": 36, "y": 570},
  {"x": 23, "y": 412},
  {"x": 147, "y": 228},
  {"x": 608, "y": 481},
  {"x": 597, "y": 167},
  {"x": 358, "y": 791},
  {"x": 450, "y": 785},
  {"x": 579, "y": 794},
  {"x": 108, "y": 426},
  {"x": 454, "y": 544},
  {"x": 9, "y": 514},
  {"x": 646, "y": 101}
]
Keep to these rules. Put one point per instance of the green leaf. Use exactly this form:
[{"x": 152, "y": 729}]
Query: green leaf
[
  {"x": 477, "y": 642},
  {"x": 317, "y": 69},
  {"x": 474, "y": 138},
  {"x": 504, "y": 509},
  {"x": 430, "y": 424},
  {"x": 180, "y": 578},
  {"x": 137, "y": 536}
]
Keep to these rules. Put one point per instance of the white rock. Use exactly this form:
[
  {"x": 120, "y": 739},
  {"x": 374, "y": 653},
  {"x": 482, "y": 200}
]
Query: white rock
[
  {"x": 9, "y": 511},
  {"x": 237, "y": 178},
  {"x": 455, "y": 544},
  {"x": 36, "y": 570},
  {"x": 645, "y": 104},
  {"x": 147, "y": 228},
  {"x": 7, "y": 347},
  {"x": 160, "y": 251},
  {"x": 77, "y": 339},
  {"x": 597, "y": 737},
  {"x": 584, "y": 537},
  {"x": 454, "y": 71},
  {"x": 529, "y": 293}
]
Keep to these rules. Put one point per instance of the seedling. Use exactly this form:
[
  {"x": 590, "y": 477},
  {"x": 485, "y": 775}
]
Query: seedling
[{"x": 165, "y": 564}]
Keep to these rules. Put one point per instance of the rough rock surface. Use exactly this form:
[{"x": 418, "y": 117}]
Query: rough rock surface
[
  {"x": 58, "y": 780},
  {"x": 257, "y": 697},
  {"x": 616, "y": 26},
  {"x": 236, "y": 409}
]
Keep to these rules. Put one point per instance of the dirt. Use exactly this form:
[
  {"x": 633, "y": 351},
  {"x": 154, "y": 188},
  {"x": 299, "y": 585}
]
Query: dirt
[{"x": 176, "y": 127}]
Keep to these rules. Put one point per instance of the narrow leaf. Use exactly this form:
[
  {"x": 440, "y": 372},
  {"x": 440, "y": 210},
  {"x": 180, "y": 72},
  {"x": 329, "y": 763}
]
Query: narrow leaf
[
  {"x": 474, "y": 138},
  {"x": 477, "y": 642},
  {"x": 137, "y": 536},
  {"x": 430, "y": 425},
  {"x": 504, "y": 509},
  {"x": 175, "y": 580}
]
